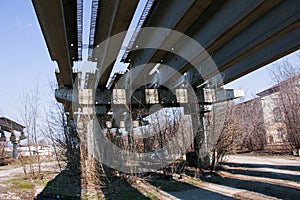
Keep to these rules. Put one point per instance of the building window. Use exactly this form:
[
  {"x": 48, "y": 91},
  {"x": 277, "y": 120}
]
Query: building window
[
  {"x": 280, "y": 133},
  {"x": 271, "y": 139},
  {"x": 277, "y": 115}
]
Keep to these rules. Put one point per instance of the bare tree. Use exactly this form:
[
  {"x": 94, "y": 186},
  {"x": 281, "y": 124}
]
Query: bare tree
[
  {"x": 287, "y": 90},
  {"x": 251, "y": 125},
  {"x": 55, "y": 133},
  {"x": 233, "y": 125},
  {"x": 221, "y": 133},
  {"x": 62, "y": 134},
  {"x": 32, "y": 119}
]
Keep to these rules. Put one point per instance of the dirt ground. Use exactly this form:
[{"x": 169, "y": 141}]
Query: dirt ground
[
  {"x": 241, "y": 177},
  {"x": 252, "y": 177},
  {"x": 14, "y": 185},
  {"x": 273, "y": 176}
]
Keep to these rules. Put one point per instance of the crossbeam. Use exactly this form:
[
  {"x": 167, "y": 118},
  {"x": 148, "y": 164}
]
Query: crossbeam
[{"x": 104, "y": 99}]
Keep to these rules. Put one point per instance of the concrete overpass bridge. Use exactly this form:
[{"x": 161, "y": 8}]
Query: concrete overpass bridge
[
  {"x": 237, "y": 37},
  {"x": 240, "y": 36}
]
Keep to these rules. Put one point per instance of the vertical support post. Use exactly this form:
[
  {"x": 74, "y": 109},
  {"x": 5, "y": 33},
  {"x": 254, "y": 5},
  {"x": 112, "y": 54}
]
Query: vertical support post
[
  {"x": 15, "y": 141},
  {"x": 196, "y": 132},
  {"x": 90, "y": 138},
  {"x": 199, "y": 131},
  {"x": 15, "y": 149},
  {"x": 129, "y": 129},
  {"x": 203, "y": 130}
]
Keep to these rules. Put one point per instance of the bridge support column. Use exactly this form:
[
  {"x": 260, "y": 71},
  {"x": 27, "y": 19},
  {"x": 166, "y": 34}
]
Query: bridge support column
[
  {"x": 15, "y": 149},
  {"x": 200, "y": 142}
]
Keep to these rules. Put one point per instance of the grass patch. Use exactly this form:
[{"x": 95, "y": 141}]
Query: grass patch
[
  {"x": 92, "y": 196},
  {"x": 24, "y": 183},
  {"x": 194, "y": 182},
  {"x": 153, "y": 195}
]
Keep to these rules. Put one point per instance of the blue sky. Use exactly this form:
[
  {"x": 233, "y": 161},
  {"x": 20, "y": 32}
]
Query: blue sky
[
  {"x": 260, "y": 79},
  {"x": 23, "y": 54},
  {"x": 25, "y": 61}
]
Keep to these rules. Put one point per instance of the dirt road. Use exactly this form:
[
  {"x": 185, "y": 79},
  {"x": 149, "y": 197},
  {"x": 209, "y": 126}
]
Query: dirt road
[{"x": 9, "y": 172}]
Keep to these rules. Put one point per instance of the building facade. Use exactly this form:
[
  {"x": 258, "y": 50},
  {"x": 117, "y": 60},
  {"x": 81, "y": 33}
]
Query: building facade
[{"x": 277, "y": 109}]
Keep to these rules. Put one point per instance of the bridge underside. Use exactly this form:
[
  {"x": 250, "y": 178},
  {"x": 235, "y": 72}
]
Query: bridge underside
[
  {"x": 238, "y": 36},
  {"x": 60, "y": 24}
]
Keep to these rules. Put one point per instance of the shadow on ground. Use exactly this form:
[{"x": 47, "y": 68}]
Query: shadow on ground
[
  {"x": 283, "y": 167},
  {"x": 273, "y": 175},
  {"x": 269, "y": 189},
  {"x": 184, "y": 191},
  {"x": 120, "y": 189},
  {"x": 65, "y": 185}
]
